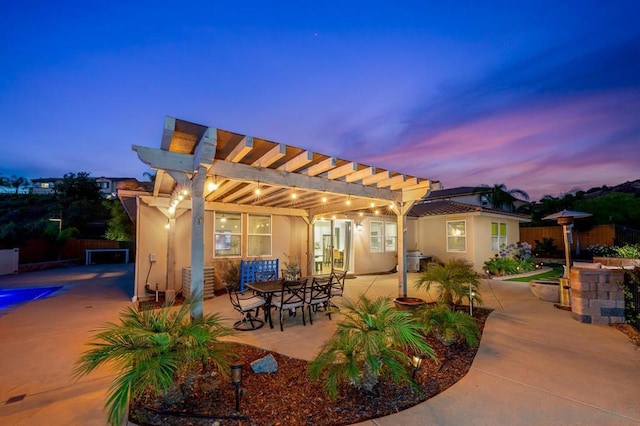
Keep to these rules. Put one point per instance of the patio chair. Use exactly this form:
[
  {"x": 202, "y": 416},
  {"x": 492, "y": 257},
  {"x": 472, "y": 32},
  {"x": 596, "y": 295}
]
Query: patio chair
[
  {"x": 317, "y": 295},
  {"x": 290, "y": 298},
  {"x": 336, "y": 278},
  {"x": 246, "y": 304}
]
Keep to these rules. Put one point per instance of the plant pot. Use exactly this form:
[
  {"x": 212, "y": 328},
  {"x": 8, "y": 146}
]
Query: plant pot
[
  {"x": 548, "y": 291},
  {"x": 408, "y": 303}
]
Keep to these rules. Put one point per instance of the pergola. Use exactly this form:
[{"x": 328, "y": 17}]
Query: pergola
[{"x": 223, "y": 169}]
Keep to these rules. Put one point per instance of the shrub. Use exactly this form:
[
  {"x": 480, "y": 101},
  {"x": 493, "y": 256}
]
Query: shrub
[
  {"x": 512, "y": 259},
  {"x": 453, "y": 279},
  {"x": 602, "y": 250},
  {"x": 449, "y": 326},
  {"x": 371, "y": 342},
  {"x": 545, "y": 248},
  {"x": 151, "y": 349},
  {"x": 628, "y": 251}
]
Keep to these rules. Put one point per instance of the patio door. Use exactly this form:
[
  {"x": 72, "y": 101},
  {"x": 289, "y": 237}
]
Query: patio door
[{"x": 332, "y": 245}]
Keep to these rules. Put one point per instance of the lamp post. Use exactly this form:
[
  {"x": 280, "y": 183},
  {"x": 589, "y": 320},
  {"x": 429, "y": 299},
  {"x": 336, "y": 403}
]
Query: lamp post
[
  {"x": 416, "y": 363},
  {"x": 236, "y": 381},
  {"x": 59, "y": 224},
  {"x": 565, "y": 218}
]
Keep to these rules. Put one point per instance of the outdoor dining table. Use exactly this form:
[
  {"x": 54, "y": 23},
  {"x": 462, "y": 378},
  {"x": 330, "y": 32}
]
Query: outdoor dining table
[{"x": 267, "y": 289}]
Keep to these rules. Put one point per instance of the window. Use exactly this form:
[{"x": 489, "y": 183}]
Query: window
[
  {"x": 390, "y": 236},
  {"x": 383, "y": 233},
  {"x": 375, "y": 237},
  {"x": 457, "y": 235},
  {"x": 227, "y": 234},
  {"x": 498, "y": 236},
  {"x": 259, "y": 235}
]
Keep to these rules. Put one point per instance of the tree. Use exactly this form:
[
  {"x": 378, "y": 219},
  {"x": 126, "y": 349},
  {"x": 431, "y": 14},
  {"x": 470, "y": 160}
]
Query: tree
[
  {"x": 80, "y": 204},
  {"x": 454, "y": 280},
  {"x": 14, "y": 183},
  {"x": 119, "y": 227},
  {"x": 499, "y": 197}
]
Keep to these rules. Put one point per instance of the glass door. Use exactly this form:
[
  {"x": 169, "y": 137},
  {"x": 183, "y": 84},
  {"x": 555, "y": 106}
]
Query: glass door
[{"x": 332, "y": 245}]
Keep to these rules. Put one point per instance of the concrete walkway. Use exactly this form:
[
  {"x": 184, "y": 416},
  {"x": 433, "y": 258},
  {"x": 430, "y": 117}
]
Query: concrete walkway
[{"x": 535, "y": 365}]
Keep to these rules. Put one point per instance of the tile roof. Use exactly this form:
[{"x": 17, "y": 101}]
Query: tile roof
[{"x": 435, "y": 208}]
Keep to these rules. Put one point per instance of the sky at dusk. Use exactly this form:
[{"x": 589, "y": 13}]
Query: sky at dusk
[{"x": 541, "y": 96}]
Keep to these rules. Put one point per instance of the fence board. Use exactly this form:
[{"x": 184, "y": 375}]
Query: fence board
[{"x": 599, "y": 234}]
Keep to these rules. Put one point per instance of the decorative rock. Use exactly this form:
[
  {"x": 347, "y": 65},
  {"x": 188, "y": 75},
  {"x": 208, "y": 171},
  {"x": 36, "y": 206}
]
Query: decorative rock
[{"x": 268, "y": 364}]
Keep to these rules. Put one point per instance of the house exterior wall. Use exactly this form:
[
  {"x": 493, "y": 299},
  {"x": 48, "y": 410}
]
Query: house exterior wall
[
  {"x": 432, "y": 237},
  {"x": 289, "y": 237},
  {"x": 366, "y": 262}
]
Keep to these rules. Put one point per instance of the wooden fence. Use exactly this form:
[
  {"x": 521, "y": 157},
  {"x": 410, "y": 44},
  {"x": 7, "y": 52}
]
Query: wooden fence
[{"x": 599, "y": 234}]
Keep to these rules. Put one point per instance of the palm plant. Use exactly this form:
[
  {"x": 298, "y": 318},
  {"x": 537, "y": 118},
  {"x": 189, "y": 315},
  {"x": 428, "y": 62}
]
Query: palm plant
[
  {"x": 499, "y": 197},
  {"x": 150, "y": 349},
  {"x": 370, "y": 343},
  {"x": 447, "y": 325},
  {"x": 455, "y": 280}
]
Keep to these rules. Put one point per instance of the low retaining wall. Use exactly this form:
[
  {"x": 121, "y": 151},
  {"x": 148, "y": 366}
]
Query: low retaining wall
[{"x": 596, "y": 296}]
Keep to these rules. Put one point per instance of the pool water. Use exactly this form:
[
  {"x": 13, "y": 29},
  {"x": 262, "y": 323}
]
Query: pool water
[{"x": 14, "y": 296}]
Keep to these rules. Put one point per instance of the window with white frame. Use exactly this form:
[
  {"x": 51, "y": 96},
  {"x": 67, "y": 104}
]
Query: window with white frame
[
  {"x": 259, "y": 235},
  {"x": 457, "y": 235},
  {"x": 498, "y": 236},
  {"x": 227, "y": 234},
  {"x": 376, "y": 235},
  {"x": 390, "y": 236}
]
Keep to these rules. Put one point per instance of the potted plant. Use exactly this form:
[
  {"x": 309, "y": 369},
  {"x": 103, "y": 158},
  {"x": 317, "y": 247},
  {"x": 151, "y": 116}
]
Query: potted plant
[{"x": 291, "y": 268}]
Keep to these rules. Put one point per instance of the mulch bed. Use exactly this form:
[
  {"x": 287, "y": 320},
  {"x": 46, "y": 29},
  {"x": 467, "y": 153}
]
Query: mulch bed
[{"x": 288, "y": 397}]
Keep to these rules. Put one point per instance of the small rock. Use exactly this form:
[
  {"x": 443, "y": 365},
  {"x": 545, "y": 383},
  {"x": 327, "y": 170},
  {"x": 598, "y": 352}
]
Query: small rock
[{"x": 268, "y": 364}]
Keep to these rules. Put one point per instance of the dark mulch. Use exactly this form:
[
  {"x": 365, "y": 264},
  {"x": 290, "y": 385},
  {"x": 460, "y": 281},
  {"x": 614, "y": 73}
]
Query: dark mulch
[{"x": 287, "y": 397}]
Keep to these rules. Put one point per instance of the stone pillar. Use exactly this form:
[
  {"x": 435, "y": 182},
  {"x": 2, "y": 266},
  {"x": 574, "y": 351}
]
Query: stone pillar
[{"x": 597, "y": 296}]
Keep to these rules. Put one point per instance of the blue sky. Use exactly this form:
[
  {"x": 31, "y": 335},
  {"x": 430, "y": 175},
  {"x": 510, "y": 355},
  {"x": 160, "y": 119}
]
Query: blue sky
[{"x": 541, "y": 96}]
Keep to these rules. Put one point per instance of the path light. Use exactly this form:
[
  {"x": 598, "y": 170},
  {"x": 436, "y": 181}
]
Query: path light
[
  {"x": 472, "y": 294},
  {"x": 236, "y": 381},
  {"x": 565, "y": 218},
  {"x": 416, "y": 363}
]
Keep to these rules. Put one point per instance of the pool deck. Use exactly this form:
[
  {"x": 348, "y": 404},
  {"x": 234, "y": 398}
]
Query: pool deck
[{"x": 535, "y": 365}]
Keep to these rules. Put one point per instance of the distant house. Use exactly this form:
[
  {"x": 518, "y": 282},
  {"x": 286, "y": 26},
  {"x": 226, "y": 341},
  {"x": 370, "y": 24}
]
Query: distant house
[
  {"x": 106, "y": 185},
  {"x": 41, "y": 186},
  {"x": 456, "y": 223}
]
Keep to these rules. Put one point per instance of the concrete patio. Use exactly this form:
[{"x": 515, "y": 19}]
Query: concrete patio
[{"x": 535, "y": 364}]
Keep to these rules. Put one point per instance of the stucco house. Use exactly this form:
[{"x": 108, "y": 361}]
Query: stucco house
[
  {"x": 448, "y": 229},
  {"x": 221, "y": 196}
]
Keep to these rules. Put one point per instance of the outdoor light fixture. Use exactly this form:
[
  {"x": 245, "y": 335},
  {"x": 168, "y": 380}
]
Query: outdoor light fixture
[
  {"x": 472, "y": 294},
  {"x": 324, "y": 199},
  {"x": 349, "y": 200},
  {"x": 359, "y": 226},
  {"x": 223, "y": 219},
  {"x": 416, "y": 363},
  {"x": 236, "y": 381}
]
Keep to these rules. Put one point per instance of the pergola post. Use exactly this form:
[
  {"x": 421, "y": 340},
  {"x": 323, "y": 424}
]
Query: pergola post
[{"x": 197, "y": 242}]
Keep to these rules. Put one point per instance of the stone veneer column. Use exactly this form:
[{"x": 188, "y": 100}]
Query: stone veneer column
[{"x": 596, "y": 296}]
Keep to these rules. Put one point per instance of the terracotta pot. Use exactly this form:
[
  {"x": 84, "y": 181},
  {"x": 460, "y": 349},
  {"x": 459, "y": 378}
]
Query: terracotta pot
[{"x": 408, "y": 303}]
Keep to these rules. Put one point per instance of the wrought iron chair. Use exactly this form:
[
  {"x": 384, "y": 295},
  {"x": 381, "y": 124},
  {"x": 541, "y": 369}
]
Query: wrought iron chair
[
  {"x": 290, "y": 298},
  {"x": 246, "y": 304},
  {"x": 318, "y": 294},
  {"x": 336, "y": 278}
]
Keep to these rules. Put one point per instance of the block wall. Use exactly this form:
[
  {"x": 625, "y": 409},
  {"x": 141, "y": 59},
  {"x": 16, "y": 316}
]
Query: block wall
[{"x": 596, "y": 296}]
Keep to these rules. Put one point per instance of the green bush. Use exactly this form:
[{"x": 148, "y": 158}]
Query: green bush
[
  {"x": 373, "y": 341},
  {"x": 628, "y": 251},
  {"x": 449, "y": 326}
]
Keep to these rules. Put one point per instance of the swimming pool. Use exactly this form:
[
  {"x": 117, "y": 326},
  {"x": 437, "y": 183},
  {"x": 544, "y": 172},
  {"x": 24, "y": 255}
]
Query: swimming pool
[{"x": 14, "y": 296}]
